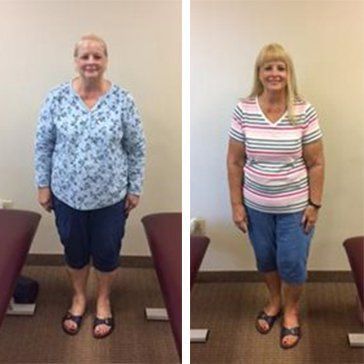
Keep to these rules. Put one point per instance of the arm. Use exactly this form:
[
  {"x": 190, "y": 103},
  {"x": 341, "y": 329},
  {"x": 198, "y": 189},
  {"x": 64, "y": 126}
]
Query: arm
[
  {"x": 313, "y": 156},
  {"x": 134, "y": 146},
  {"x": 235, "y": 167},
  {"x": 44, "y": 146}
]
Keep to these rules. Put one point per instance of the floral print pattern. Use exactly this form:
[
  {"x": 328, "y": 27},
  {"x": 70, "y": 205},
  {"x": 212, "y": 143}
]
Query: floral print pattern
[{"x": 90, "y": 158}]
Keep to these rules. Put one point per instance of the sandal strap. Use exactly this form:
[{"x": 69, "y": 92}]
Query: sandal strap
[
  {"x": 77, "y": 319},
  {"x": 109, "y": 321},
  {"x": 269, "y": 319},
  {"x": 293, "y": 331}
]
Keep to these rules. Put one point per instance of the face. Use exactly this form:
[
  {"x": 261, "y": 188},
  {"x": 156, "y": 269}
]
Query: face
[
  {"x": 273, "y": 76},
  {"x": 90, "y": 61}
]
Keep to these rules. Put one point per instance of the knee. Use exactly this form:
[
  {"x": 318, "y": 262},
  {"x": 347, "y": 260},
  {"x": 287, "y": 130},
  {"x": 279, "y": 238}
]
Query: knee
[
  {"x": 106, "y": 259},
  {"x": 292, "y": 271}
]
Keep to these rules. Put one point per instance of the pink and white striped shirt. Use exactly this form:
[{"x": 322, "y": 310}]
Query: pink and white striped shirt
[{"x": 275, "y": 174}]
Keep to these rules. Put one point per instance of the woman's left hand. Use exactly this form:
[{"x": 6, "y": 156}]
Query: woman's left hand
[
  {"x": 309, "y": 218},
  {"x": 131, "y": 202}
]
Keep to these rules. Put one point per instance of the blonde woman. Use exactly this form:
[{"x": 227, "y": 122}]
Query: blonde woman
[
  {"x": 89, "y": 161},
  {"x": 276, "y": 170}
]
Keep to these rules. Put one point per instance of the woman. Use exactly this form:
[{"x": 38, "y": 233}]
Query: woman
[
  {"x": 276, "y": 170},
  {"x": 89, "y": 159}
]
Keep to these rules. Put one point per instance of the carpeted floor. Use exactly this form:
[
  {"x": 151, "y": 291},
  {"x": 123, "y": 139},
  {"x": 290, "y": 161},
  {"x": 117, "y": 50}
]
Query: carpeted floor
[
  {"x": 40, "y": 339},
  {"x": 229, "y": 310}
]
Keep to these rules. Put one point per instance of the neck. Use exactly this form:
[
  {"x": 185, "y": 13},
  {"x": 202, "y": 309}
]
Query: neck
[
  {"x": 90, "y": 85},
  {"x": 273, "y": 98}
]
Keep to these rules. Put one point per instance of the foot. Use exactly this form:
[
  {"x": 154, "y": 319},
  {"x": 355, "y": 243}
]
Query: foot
[
  {"x": 72, "y": 320},
  {"x": 266, "y": 318},
  {"x": 290, "y": 333},
  {"x": 103, "y": 324}
]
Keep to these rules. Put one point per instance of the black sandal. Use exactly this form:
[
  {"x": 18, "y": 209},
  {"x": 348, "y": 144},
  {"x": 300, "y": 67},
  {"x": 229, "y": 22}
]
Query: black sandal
[
  {"x": 294, "y": 331},
  {"x": 77, "y": 319},
  {"x": 108, "y": 322},
  {"x": 268, "y": 319}
]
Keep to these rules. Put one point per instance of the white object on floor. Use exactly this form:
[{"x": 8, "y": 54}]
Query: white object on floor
[
  {"x": 356, "y": 340},
  {"x": 156, "y": 314},
  {"x": 197, "y": 226},
  {"x": 199, "y": 335},
  {"x": 22, "y": 309}
]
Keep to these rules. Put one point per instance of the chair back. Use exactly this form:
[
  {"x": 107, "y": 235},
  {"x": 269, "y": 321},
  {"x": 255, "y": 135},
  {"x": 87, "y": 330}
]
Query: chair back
[
  {"x": 17, "y": 229},
  {"x": 355, "y": 250},
  {"x": 164, "y": 234},
  {"x": 198, "y": 248}
]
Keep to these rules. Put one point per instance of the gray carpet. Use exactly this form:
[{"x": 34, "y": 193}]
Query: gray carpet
[
  {"x": 40, "y": 339},
  {"x": 229, "y": 310}
]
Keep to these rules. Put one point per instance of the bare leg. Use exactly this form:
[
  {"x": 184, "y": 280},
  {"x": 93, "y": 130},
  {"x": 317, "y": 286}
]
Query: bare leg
[
  {"x": 103, "y": 307},
  {"x": 273, "y": 306},
  {"x": 292, "y": 294},
  {"x": 79, "y": 282}
]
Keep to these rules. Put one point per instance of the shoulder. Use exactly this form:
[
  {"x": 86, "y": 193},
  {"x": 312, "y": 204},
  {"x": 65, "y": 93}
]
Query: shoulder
[
  {"x": 121, "y": 94},
  {"x": 60, "y": 89},
  {"x": 303, "y": 106},
  {"x": 58, "y": 92},
  {"x": 247, "y": 102},
  {"x": 246, "y": 105}
]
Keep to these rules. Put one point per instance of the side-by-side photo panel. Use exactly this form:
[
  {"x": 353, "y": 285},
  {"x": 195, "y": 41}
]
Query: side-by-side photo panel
[
  {"x": 277, "y": 205},
  {"x": 90, "y": 204}
]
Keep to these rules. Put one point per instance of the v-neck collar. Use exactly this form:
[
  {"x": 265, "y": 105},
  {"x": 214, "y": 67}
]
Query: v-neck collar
[
  {"x": 99, "y": 100},
  {"x": 271, "y": 123}
]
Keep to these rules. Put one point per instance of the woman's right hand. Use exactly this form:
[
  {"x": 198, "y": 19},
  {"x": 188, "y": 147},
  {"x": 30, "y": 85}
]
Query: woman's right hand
[
  {"x": 240, "y": 217},
  {"x": 45, "y": 198}
]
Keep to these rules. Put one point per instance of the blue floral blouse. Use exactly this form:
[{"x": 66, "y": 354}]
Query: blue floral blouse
[{"x": 90, "y": 158}]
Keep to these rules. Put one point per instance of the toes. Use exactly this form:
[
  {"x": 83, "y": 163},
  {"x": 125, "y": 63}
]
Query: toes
[
  {"x": 70, "y": 325},
  {"x": 263, "y": 325},
  {"x": 101, "y": 329},
  {"x": 289, "y": 340}
]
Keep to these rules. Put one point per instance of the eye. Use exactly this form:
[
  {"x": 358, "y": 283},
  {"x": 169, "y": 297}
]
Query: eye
[{"x": 281, "y": 68}]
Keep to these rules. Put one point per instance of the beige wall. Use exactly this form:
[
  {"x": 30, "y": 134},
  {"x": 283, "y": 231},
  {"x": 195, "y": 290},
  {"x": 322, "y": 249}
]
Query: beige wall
[
  {"x": 37, "y": 41},
  {"x": 326, "y": 41}
]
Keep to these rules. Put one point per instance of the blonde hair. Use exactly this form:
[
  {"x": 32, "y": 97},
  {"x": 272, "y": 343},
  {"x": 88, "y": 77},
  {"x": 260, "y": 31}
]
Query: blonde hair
[
  {"x": 275, "y": 52},
  {"x": 93, "y": 38}
]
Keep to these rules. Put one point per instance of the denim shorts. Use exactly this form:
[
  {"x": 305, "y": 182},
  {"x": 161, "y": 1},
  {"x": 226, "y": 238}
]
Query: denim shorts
[
  {"x": 280, "y": 244},
  {"x": 95, "y": 234}
]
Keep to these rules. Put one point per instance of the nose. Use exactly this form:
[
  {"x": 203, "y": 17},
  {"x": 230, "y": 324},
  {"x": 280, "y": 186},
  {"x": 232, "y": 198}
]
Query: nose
[{"x": 275, "y": 71}]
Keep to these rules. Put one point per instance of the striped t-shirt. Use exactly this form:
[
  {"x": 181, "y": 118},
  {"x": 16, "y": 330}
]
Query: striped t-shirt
[{"x": 275, "y": 174}]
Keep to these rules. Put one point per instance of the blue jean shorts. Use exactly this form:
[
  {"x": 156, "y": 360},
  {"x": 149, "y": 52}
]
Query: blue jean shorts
[
  {"x": 280, "y": 244},
  {"x": 95, "y": 234}
]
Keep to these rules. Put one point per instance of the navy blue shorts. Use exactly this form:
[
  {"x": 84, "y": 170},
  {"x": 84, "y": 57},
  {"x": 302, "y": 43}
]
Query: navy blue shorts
[
  {"x": 95, "y": 234},
  {"x": 280, "y": 244}
]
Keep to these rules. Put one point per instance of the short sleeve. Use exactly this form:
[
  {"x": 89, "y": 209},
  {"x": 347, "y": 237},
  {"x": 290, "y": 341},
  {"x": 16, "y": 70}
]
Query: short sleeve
[
  {"x": 237, "y": 131},
  {"x": 311, "y": 128}
]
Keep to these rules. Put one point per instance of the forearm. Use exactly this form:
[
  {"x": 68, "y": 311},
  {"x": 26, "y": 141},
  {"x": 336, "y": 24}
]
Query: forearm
[
  {"x": 43, "y": 164},
  {"x": 316, "y": 182},
  {"x": 136, "y": 166},
  {"x": 235, "y": 177}
]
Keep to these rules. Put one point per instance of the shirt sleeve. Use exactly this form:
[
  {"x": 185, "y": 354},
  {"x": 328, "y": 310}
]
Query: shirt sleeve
[
  {"x": 133, "y": 142},
  {"x": 44, "y": 144},
  {"x": 311, "y": 129},
  {"x": 237, "y": 131}
]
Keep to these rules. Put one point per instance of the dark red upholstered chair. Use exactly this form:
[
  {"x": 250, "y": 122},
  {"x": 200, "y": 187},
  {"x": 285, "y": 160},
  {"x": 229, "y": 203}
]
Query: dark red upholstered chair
[
  {"x": 355, "y": 250},
  {"x": 17, "y": 229},
  {"x": 198, "y": 248},
  {"x": 164, "y": 234}
]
